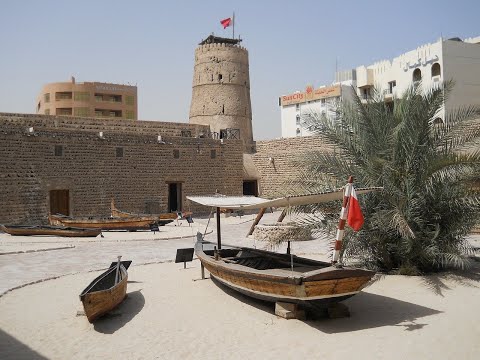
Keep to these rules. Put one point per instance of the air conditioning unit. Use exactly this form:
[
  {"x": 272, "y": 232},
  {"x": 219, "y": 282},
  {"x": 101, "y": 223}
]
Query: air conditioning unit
[{"x": 436, "y": 78}]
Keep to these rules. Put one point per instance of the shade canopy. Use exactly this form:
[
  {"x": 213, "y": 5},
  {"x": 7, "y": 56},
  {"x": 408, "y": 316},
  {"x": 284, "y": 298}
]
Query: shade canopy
[{"x": 252, "y": 202}]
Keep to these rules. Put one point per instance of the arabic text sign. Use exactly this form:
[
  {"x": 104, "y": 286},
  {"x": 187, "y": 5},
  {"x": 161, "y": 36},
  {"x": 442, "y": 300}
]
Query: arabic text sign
[{"x": 310, "y": 95}]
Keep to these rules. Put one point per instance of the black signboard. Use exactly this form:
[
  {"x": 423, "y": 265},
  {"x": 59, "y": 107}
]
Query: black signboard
[{"x": 184, "y": 255}]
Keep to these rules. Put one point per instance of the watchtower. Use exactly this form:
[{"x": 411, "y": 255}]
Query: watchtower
[{"x": 221, "y": 89}]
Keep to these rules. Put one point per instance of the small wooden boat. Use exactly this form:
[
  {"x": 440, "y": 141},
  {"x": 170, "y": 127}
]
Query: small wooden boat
[
  {"x": 160, "y": 219},
  {"x": 278, "y": 277},
  {"x": 105, "y": 292},
  {"x": 28, "y": 230},
  {"x": 133, "y": 223}
]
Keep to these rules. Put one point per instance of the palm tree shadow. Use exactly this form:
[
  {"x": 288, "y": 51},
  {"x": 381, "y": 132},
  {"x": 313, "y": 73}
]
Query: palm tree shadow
[
  {"x": 121, "y": 315},
  {"x": 372, "y": 311},
  {"x": 438, "y": 282}
]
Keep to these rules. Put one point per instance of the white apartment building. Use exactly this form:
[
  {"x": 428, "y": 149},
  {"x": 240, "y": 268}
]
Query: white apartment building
[
  {"x": 451, "y": 59},
  {"x": 322, "y": 100}
]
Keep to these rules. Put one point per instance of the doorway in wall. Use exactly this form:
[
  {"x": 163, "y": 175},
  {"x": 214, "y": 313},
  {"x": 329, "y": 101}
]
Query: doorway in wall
[
  {"x": 60, "y": 202},
  {"x": 250, "y": 187},
  {"x": 174, "y": 197}
]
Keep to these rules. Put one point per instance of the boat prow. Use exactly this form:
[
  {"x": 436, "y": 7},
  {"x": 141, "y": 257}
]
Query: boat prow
[{"x": 104, "y": 293}]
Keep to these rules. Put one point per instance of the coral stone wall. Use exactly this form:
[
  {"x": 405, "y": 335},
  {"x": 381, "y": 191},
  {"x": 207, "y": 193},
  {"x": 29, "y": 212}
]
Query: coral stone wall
[
  {"x": 275, "y": 159},
  {"x": 89, "y": 167}
]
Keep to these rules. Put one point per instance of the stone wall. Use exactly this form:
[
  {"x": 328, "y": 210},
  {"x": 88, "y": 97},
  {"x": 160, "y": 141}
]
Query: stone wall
[
  {"x": 153, "y": 128},
  {"x": 90, "y": 169},
  {"x": 274, "y": 161}
]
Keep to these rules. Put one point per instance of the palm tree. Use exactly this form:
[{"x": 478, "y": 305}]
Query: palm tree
[{"x": 420, "y": 220}]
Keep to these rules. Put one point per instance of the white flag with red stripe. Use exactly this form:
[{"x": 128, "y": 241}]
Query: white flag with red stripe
[{"x": 355, "y": 216}]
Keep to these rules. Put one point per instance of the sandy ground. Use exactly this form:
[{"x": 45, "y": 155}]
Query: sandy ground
[{"x": 171, "y": 314}]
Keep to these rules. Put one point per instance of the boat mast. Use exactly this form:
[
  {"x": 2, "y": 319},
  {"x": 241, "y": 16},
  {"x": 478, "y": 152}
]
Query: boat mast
[
  {"x": 117, "y": 278},
  {"x": 219, "y": 235},
  {"x": 342, "y": 221}
]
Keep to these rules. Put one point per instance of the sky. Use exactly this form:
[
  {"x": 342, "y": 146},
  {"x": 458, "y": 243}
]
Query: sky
[{"x": 151, "y": 44}]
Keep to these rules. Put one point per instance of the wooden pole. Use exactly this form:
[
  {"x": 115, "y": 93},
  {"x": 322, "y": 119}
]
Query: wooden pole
[
  {"x": 282, "y": 215},
  {"x": 219, "y": 235},
  {"x": 257, "y": 220},
  {"x": 118, "y": 270},
  {"x": 343, "y": 220}
]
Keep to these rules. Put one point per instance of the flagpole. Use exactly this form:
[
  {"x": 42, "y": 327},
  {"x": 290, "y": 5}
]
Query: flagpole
[
  {"x": 233, "y": 27},
  {"x": 342, "y": 221}
]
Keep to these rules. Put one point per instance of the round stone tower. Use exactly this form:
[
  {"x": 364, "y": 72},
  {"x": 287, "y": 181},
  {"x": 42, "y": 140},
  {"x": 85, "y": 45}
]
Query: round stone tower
[{"x": 221, "y": 89}]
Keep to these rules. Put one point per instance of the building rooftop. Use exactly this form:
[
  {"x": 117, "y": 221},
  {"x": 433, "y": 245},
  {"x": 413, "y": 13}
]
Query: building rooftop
[{"x": 212, "y": 39}]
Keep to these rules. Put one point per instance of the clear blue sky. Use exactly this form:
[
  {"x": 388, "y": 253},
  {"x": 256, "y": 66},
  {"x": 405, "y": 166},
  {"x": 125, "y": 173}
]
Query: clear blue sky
[{"x": 151, "y": 43}]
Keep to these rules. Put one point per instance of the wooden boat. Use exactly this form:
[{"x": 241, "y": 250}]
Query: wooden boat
[
  {"x": 277, "y": 277},
  {"x": 161, "y": 219},
  {"x": 105, "y": 292},
  {"x": 133, "y": 223},
  {"x": 27, "y": 230}
]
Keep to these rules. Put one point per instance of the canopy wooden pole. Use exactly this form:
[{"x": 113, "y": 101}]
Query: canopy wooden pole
[
  {"x": 282, "y": 215},
  {"x": 219, "y": 235},
  {"x": 257, "y": 220},
  {"x": 343, "y": 220}
]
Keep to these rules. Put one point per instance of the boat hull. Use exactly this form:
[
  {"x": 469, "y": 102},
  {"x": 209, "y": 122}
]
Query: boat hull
[
  {"x": 162, "y": 219},
  {"x": 18, "y": 230},
  {"x": 103, "y": 224},
  {"x": 98, "y": 303},
  {"x": 316, "y": 287}
]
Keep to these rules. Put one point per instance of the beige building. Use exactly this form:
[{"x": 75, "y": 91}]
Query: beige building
[{"x": 88, "y": 99}]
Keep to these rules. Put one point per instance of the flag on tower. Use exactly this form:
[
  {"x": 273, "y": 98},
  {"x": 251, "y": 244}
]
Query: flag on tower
[
  {"x": 355, "y": 216},
  {"x": 226, "y": 22}
]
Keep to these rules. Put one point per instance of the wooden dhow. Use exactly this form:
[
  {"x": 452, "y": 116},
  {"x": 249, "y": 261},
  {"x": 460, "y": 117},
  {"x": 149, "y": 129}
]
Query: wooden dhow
[
  {"x": 270, "y": 276},
  {"x": 131, "y": 223},
  {"x": 161, "y": 219},
  {"x": 106, "y": 291},
  {"x": 29, "y": 230}
]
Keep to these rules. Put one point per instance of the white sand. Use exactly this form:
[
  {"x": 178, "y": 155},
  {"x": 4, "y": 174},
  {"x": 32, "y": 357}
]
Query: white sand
[{"x": 167, "y": 315}]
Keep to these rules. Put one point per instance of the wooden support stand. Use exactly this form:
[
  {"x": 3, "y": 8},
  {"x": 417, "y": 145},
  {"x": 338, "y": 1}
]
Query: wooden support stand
[
  {"x": 338, "y": 310},
  {"x": 289, "y": 311}
]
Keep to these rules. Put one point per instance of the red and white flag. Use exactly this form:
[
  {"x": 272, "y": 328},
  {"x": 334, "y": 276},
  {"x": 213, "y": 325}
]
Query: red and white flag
[
  {"x": 226, "y": 22},
  {"x": 355, "y": 216}
]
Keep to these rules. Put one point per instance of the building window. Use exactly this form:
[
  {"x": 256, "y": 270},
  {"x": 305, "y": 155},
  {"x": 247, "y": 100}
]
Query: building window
[
  {"x": 130, "y": 100},
  {"x": 104, "y": 113},
  {"x": 119, "y": 152},
  {"x": 81, "y": 96},
  {"x": 213, "y": 154},
  {"x": 436, "y": 69},
  {"x": 129, "y": 114},
  {"x": 176, "y": 154},
  {"x": 46, "y": 97},
  {"x": 63, "y": 95},
  {"x": 47, "y": 111},
  {"x": 438, "y": 121},
  {"x": 64, "y": 111},
  {"x": 298, "y": 119},
  {"x": 58, "y": 150},
  {"x": 417, "y": 75},
  {"x": 298, "y": 132},
  {"x": 108, "y": 98},
  {"x": 81, "y": 111},
  {"x": 323, "y": 101},
  {"x": 391, "y": 86},
  {"x": 297, "y": 107},
  {"x": 220, "y": 77}
]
